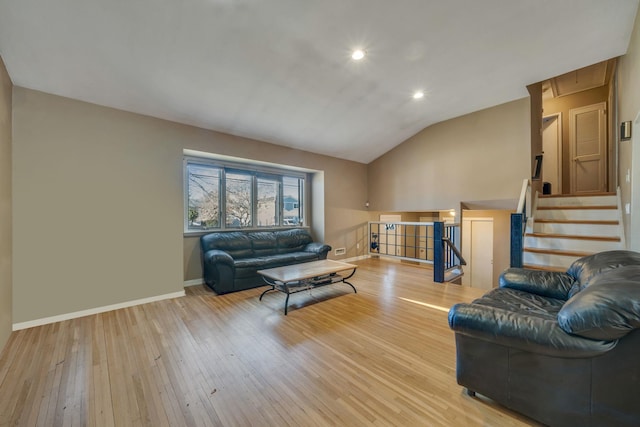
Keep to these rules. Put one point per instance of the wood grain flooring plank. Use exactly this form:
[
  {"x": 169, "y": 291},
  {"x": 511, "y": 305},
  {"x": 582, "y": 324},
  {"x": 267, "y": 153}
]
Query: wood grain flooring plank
[{"x": 384, "y": 356}]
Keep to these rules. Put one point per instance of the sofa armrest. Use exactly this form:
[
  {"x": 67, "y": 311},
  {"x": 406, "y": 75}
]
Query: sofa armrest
[
  {"x": 215, "y": 256},
  {"x": 550, "y": 284},
  {"x": 318, "y": 248},
  {"x": 218, "y": 271},
  {"x": 527, "y": 333}
]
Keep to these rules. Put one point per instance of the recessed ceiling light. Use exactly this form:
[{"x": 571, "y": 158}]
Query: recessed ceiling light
[
  {"x": 419, "y": 94},
  {"x": 357, "y": 55}
]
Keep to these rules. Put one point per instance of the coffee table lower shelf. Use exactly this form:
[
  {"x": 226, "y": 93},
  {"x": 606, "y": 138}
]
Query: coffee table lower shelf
[{"x": 296, "y": 285}]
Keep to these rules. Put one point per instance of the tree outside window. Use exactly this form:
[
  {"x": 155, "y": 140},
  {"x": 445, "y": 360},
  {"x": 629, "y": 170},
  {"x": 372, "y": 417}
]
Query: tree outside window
[
  {"x": 204, "y": 197},
  {"x": 247, "y": 198},
  {"x": 239, "y": 196}
]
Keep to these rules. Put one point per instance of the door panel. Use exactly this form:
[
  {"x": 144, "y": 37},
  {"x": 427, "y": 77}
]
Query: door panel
[
  {"x": 587, "y": 135},
  {"x": 482, "y": 254},
  {"x": 477, "y": 249}
]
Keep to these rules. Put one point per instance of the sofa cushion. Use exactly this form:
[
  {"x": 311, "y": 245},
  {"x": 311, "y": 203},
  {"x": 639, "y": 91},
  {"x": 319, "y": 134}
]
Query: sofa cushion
[
  {"x": 236, "y": 243},
  {"x": 608, "y": 308},
  {"x": 528, "y": 322},
  {"x": 523, "y": 303},
  {"x": 248, "y": 267},
  {"x": 586, "y": 268},
  {"x": 304, "y": 256},
  {"x": 293, "y": 240},
  {"x": 263, "y": 243},
  {"x": 550, "y": 284}
]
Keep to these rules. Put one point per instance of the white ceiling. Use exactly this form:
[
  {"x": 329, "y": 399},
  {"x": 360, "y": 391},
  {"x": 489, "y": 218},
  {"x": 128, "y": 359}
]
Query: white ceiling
[{"x": 280, "y": 70}]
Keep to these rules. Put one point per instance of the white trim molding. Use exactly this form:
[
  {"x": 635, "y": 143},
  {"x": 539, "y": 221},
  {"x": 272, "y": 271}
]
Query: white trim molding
[
  {"x": 97, "y": 310},
  {"x": 193, "y": 282},
  {"x": 355, "y": 258}
]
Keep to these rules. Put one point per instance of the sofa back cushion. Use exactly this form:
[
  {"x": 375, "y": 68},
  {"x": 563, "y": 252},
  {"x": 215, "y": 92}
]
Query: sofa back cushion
[
  {"x": 608, "y": 308},
  {"x": 586, "y": 268},
  {"x": 247, "y": 244},
  {"x": 294, "y": 240},
  {"x": 264, "y": 243},
  {"x": 235, "y": 243}
]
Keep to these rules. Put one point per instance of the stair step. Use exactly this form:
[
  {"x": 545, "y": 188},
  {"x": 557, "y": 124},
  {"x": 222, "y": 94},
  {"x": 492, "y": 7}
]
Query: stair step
[
  {"x": 544, "y": 267},
  {"x": 574, "y": 237},
  {"x": 552, "y": 258},
  {"x": 578, "y": 254},
  {"x": 555, "y": 196},
  {"x": 571, "y": 243},
  {"x": 574, "y": 207},
  {"x": 577, "y": 221},
  {"x": 576, "y": 214},
  {"x": 564, "y": 228},
  {"x": 569, "y": 228},
  {"x": 582, "y": 200},
  {"x": 453, "y": 273}
]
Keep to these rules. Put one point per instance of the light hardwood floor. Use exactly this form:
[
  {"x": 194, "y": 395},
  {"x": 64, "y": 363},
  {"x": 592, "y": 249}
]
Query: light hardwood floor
[{"x": 384, "y": 356}]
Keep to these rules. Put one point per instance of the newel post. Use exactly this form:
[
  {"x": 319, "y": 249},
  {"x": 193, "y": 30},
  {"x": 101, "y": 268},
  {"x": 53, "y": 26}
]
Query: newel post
[
  {"x": 438, "y": 252},
  {"x": 517, "y": 241}
]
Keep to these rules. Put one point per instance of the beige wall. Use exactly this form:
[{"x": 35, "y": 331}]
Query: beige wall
[
  {"x": 481, "y": 156},
  {"x": 98, "y": 203},
  {"x": 5, "y": 206},
  {"x": 562, "y": 105},
  {"x": 629, "y": 151},
  {"x": 535, "y": 110},
  {"x": 97, "y": 210},
  {"x": 477, "y": 159}
]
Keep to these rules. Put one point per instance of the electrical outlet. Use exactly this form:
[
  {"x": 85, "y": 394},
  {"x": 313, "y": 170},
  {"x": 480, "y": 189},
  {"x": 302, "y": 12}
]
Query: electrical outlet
[
  {"x": 627, "y": 208},
  {"x": 357, "y": 245},
  {"x": 628, "y": 175}
]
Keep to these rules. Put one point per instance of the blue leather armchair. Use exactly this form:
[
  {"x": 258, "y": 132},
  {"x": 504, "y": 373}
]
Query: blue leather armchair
[{"x": 561, "y": 348}]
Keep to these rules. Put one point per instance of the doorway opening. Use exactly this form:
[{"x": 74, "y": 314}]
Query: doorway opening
[{"x": 576, "y": 131}]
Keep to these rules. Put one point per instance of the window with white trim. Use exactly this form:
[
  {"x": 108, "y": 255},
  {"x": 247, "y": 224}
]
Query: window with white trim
[{"x": 219, "y": 195}]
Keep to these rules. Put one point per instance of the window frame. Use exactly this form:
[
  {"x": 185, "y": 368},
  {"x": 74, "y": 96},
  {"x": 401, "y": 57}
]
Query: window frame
[{"x": 256, "y": 172}]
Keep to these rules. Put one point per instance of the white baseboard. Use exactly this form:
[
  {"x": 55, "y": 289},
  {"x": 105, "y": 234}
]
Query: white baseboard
[
  {"x": 193, "y": 282},
  {"x": 97, "y": 310},
  {"x": 356, "y": 258}
]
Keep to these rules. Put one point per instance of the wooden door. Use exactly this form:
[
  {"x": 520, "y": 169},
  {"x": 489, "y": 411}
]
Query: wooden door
[
  {"x": 552, "y": 152},
  {"x": 587, "y": 139},
  {"x": 477, "y": 249}
]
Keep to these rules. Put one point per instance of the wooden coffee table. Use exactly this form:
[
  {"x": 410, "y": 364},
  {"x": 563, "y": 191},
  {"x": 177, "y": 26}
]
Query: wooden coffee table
[{"x": 301, "y": 277}]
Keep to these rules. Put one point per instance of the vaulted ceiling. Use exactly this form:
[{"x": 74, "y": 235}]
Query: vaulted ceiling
[{"x": 281, "y": 70}]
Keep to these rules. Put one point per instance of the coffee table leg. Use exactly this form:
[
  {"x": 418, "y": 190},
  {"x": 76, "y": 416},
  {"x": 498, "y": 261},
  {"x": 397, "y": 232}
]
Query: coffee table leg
[
  {"x": 352, "y": 287},
  {"x": 286, "y": 291},
  {"x": 348, "y": 277},
  {"x": 286, "y": 304},
  {"x": 273, "y": 287},
  {"x": 268, "y": 290}
]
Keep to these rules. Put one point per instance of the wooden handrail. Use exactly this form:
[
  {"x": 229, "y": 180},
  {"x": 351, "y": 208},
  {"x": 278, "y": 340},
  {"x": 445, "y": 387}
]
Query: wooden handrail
[
  {"x": 455, "y": 250},
  {"x": 522, "y": 202},
  {"x": 445, "y": 251}
]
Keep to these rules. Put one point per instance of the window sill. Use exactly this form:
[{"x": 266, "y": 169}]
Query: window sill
[{"x": 198, "y": 233}]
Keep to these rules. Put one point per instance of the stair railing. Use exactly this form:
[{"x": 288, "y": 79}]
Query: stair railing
[
  {"x": 519, "y": 224},
  {"x": 408, "y": 241},
  {"x": 447, "y": 259}
]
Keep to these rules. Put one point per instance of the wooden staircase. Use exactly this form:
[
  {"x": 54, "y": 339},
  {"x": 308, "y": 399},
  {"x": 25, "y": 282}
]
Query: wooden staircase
[{"x": 564, "y": 228}]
